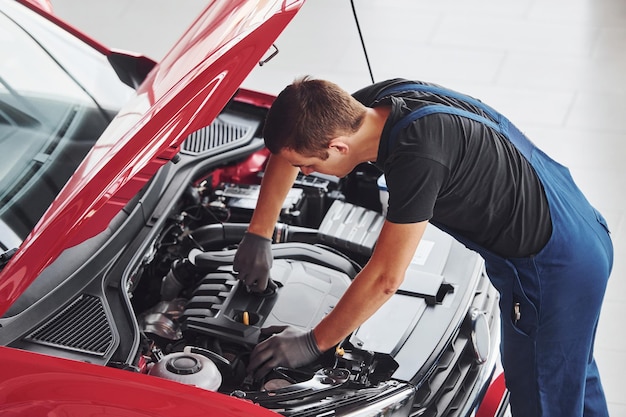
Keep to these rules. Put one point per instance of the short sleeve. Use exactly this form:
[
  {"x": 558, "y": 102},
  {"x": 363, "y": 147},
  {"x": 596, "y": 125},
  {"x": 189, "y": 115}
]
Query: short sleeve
[{"x": 414, "y": 183}]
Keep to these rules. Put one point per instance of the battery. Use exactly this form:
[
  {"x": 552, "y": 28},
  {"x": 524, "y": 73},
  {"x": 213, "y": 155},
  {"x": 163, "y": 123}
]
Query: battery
[{"x": 241, "y": 200}]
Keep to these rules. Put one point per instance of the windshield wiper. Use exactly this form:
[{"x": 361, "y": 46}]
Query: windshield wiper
[
  {"x": 5, "y": 257},
  {"x": 16, "y": 117},
  {"x": 27, "y": 108}
]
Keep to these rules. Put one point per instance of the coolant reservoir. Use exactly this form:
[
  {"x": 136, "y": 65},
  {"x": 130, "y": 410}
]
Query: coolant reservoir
[{"x": 189, "y": 368}]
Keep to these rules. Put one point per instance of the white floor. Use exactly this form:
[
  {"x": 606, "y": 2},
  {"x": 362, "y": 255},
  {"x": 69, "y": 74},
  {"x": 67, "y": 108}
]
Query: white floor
[{"x": 557, "y": 68}]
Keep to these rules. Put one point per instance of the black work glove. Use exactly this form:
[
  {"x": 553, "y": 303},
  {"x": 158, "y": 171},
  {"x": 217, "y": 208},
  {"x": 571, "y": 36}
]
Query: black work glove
[
  {"x": 253, "y": 261},
  {"x": 288, "y": 346}
]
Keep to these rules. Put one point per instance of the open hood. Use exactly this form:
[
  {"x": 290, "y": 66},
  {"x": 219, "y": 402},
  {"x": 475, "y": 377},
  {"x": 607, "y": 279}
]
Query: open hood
[{"x": 183, "y": 93}]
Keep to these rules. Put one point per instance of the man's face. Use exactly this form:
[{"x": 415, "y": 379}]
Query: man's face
[{"x": 337, "y": 163}]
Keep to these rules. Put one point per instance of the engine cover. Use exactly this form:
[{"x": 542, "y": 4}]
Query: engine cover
[{"x": 221, "y": 306}]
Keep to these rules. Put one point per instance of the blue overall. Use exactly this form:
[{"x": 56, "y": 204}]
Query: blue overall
[{"x": 550, "y": 302}]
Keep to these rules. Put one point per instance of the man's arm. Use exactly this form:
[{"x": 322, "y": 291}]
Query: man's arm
[
  {"x": 371, "y": 288},
  {"x": 374, "y": 285},
  {"x": 277, "y": 180},
  {"x": 253, "y": 260}
]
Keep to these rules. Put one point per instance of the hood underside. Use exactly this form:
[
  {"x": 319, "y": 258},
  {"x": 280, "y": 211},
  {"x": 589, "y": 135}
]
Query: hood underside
[{"x": 182, "y": 94}]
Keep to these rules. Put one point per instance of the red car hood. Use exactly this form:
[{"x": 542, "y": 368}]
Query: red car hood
[{"x": 183, "y": 93}]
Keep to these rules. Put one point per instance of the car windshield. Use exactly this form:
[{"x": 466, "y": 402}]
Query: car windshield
[
  {"x": 48, "y": 122},
  {"x": 38, "y": 101}
]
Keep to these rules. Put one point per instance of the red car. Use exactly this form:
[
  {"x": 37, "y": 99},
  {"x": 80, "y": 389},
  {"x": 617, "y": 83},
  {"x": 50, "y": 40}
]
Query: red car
[{"x": 125, "y": 188}]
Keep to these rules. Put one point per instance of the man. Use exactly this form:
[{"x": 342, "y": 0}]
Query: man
[{"x": 450, "y": 160}]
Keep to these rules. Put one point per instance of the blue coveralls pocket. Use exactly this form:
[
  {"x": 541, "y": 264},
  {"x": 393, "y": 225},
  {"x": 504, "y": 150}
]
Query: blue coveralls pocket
[
  {"x": 523, "y": 313},
  {"x": 606, "y": 240},
  {"x": 518, "y": 285},
  {"x": 600, "y": 218}
]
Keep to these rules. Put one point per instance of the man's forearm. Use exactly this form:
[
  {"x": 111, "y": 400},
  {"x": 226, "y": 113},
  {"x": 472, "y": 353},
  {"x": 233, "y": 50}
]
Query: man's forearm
[
  {"x": 278, "y": 179},
  {"x": 374, "y": 285},
  {"x": 362, "y": 299}
]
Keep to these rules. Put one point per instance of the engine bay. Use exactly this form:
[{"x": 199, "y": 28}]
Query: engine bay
[
  {"x": 199, "y": 323},
  {"x": 156, "y": 292}
]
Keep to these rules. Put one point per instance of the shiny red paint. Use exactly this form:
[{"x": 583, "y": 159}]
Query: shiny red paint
[
  {"x": 36, "y": 385},
  {"x": 183, "y": 93},
  {"x": 255, "y": 98},
  {"x": 246, "y": 172},
  {"x": 492, "y": 400},
  {"x": 44, "y": 5}
]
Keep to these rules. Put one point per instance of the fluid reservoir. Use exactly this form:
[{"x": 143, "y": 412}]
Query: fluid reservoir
[{"x": 189, "y": 368}]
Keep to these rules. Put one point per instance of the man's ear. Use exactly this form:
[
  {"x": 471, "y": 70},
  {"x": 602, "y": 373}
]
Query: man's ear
[{"x": 339, "y": 144}]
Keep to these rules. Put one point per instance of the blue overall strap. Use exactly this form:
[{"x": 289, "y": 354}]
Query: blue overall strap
[
  {"x": 402, "y": 88},
  {"x": 441, "y": 108},
  {"x": 438, "y": 108}
]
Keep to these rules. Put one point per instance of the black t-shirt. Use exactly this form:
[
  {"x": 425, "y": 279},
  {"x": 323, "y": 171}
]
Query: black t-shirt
[{"x": 459, "y": 173}]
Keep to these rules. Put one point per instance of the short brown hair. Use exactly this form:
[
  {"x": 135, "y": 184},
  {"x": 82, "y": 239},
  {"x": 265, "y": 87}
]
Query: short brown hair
[{"x": 307, "y": 114}]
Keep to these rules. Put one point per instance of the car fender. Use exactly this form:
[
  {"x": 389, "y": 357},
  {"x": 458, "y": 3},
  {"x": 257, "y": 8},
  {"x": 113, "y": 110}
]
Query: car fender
[{"x": 39, "y": 385}]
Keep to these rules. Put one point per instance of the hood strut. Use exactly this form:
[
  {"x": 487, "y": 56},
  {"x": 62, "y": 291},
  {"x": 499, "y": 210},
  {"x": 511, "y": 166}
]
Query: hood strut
[{"x": 358, "y": 27}]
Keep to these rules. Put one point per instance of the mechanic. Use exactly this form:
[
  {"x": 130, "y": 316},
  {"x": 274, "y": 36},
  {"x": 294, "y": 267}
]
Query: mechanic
[{"x": 451, "y": 160}]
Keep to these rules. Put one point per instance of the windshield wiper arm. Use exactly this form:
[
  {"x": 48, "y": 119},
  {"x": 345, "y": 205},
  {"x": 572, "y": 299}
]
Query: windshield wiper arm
[
  {"x": 5, "y": 257},
  {"x": 27, "y": 107}
]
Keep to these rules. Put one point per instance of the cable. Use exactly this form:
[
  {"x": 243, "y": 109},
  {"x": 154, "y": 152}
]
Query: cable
[{"x": 358, "y": 27}]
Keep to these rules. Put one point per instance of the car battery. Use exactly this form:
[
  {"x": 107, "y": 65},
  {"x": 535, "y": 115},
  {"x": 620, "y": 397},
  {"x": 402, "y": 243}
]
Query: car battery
[
  {"x": 319, "y": 190},
  {"x": 241, "y": 199}
]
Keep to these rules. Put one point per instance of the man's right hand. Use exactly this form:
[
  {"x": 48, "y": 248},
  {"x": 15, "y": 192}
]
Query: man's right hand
[
  {"x": 253, "y": 261},
  {"x": 288, "y": 346}
]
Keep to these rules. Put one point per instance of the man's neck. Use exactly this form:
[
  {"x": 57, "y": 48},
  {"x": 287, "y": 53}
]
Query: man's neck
[{"x": 370, "y": 132}]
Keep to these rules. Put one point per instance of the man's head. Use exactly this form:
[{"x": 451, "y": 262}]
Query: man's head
[{"x": 308, "y": 114}]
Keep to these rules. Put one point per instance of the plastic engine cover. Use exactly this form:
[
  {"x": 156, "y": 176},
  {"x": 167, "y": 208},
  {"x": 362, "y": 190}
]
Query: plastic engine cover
[{"x": 221, "y": 306}]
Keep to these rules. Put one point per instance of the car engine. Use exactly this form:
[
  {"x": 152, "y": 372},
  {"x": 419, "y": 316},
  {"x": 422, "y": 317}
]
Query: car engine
[{"x": 199, "y": 323}]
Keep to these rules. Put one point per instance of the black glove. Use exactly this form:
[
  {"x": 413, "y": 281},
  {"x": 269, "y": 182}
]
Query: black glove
[
  {"x": 253, "y": 261},
  {"x": 288, "y": 346}
]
